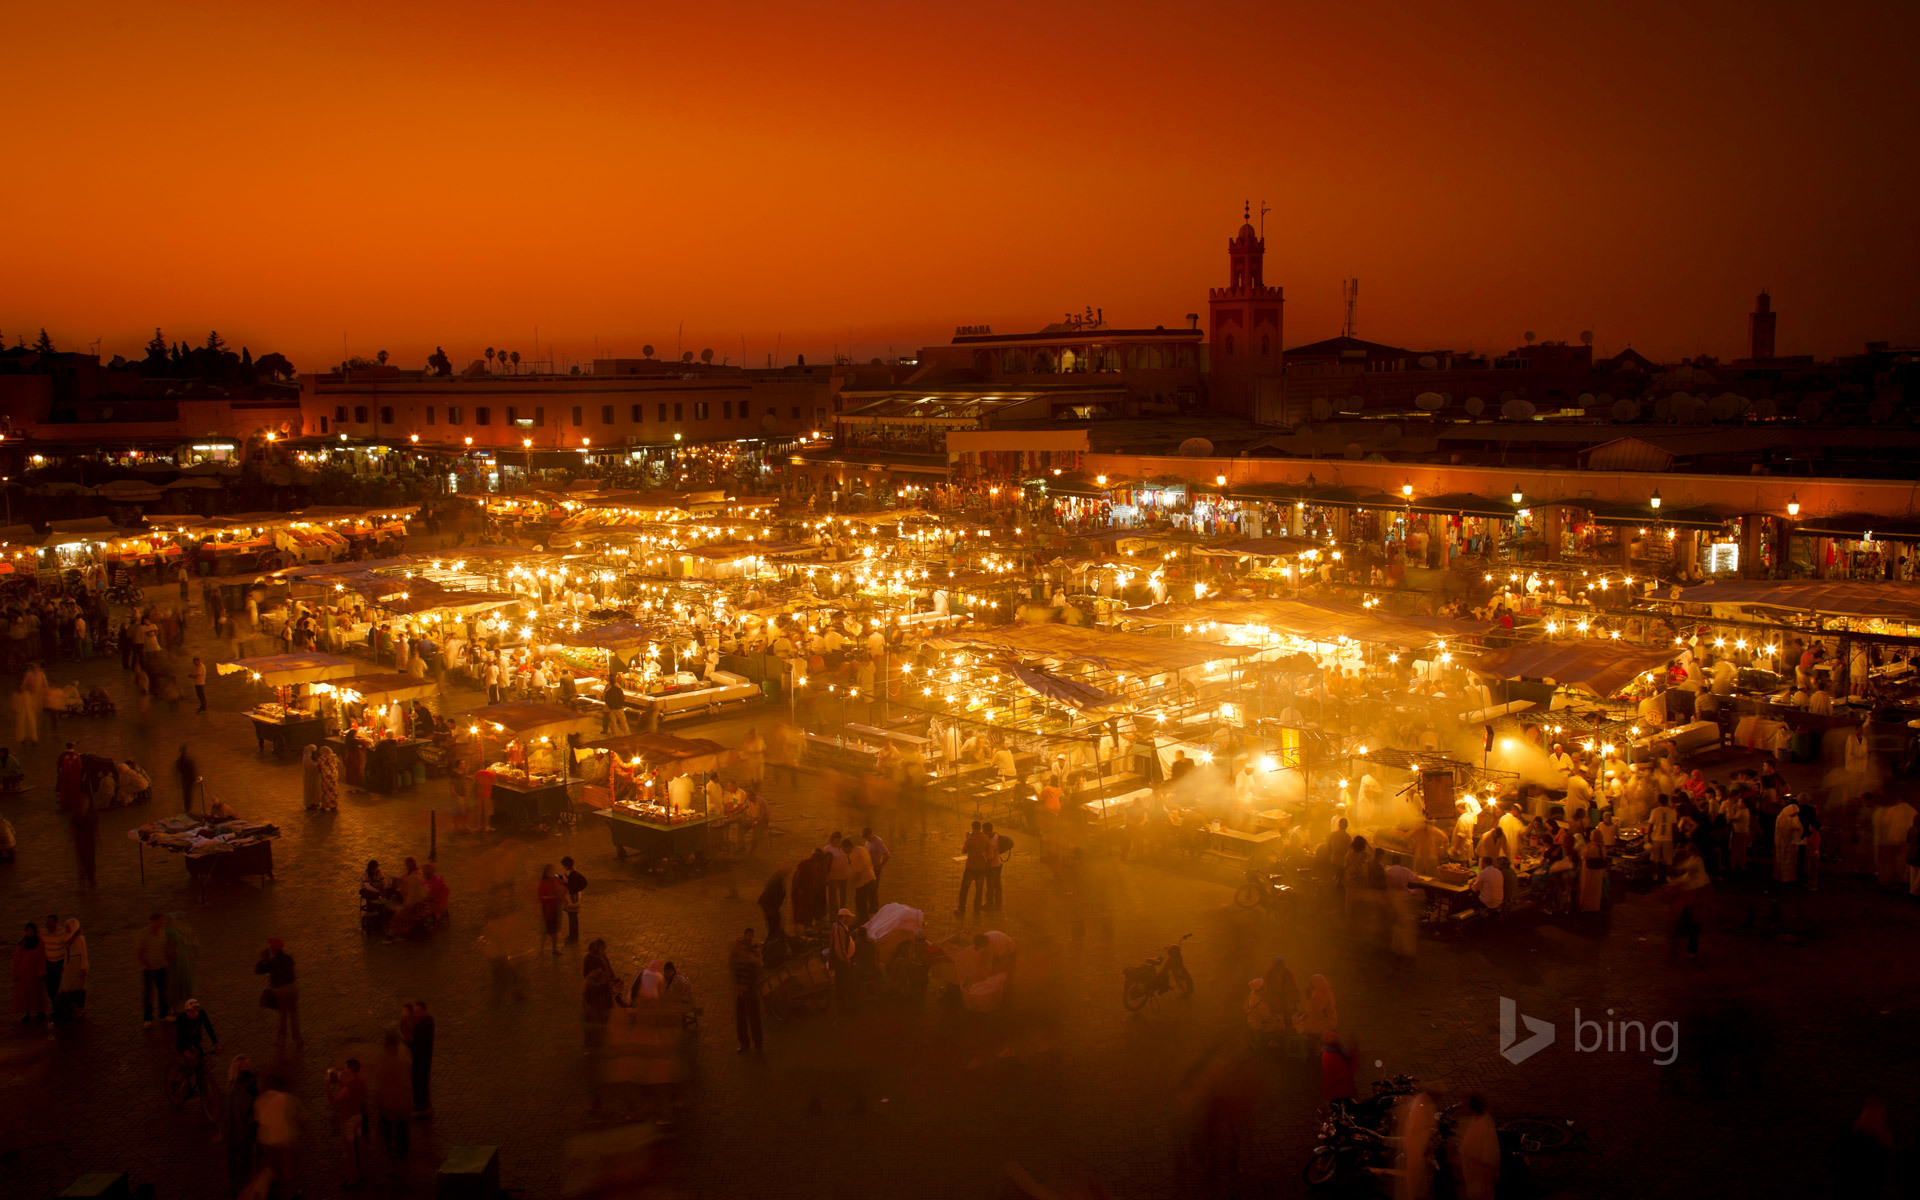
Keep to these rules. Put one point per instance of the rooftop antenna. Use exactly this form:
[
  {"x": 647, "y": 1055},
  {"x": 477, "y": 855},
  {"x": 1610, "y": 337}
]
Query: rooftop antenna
[
  {"x": 1264, "y": 210},
  {"x": 1350, "y": 299}
]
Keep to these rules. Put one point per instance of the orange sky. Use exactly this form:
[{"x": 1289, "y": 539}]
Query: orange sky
[{"x": 459, "y": 172}]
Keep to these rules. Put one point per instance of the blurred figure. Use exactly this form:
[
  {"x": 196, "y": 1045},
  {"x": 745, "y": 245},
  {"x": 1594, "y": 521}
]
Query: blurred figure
[
  {"x": 1418, "y": 1126},
  {"x": 1477, "y": 1158},
  {"x": 1861, "y": 1158}
]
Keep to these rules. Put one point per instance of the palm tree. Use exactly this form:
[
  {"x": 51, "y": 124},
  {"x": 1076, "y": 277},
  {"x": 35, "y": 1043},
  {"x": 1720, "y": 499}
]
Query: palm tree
[
  {"x": 515, "y": 356},
  {"x": 489, "y": 358},
  {"x": 381, "y": 358}
]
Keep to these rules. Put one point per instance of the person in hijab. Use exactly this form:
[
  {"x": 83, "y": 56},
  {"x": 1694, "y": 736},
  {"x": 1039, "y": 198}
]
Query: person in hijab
[
  {"x": 310, "y": 776},
  {"x": 1318, "y": 1012},
  {"x": 329, "y": 779},
  {"x": 1695, "y": 786},
  {"x": 186, "y": 950},
  {"x": 30, "y": 977},
  {"x": 1786, "y": 844},
  {"x": 72, "y": 999},
  {"x": 1282, "y": 992}
]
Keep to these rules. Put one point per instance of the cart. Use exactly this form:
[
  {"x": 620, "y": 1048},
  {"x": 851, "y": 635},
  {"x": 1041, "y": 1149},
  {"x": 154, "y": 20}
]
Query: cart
[{"x": 800, "y": 984}]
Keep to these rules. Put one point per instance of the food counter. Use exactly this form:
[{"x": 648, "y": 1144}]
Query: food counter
[
  {"x": 1684, "y": 739},
  {"x": 520, "y": 800},
  {"x": 654, "y": 832},
  {"x": 694, "y": 698},
  {"x": 288, "y": 731},
  {"x": 390, "y": 761}
]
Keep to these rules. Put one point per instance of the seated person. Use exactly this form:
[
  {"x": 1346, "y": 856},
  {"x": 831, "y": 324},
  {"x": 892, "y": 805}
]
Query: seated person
[
  {"x": 11, "y": 774},
  {"x": 1261, "y": 1017},
  {"x": 1490, "y": 886}
]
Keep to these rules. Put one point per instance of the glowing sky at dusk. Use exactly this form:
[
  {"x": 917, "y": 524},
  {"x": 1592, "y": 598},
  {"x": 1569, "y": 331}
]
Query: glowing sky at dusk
[{"x": 459, "y": 172}]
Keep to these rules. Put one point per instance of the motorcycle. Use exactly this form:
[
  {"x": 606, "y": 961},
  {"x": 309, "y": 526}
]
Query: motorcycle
[
  {"x": 1376, "y": 1111},
  {"x": 1347, "y": 1150},
  {"x": 1166, "y": 973},
  {"x": 1266, "y": 889}
]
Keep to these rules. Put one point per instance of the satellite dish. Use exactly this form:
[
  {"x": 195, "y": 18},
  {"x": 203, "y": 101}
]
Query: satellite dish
[
  {"x": 1586, "y": 337},
  {"x": 1322, "y": 408},
  {"x": 706, "y": 356},
  {"x": 1808, "y": 408},
  {"x": 1606, "y": 399},
  {"x": 1517, "y": 410},
  {"x": 1765, "y": 408},
  {"x": 1728, "y": 405},
  {"x": 1625, "y": 410},
  {"x": 1196, "y": 448},
  {"x": 1475, "y": 406},
  {"x": 647, "y": 350},
  {"x": 1430, "y": 401},
  {"x": 1586, "y": 400},
  {"x": 686, "y": 356},
  {"x": 1354, "y": 451},
  {"x": 1529, "y": 337},
  {"x": 1428, "y": 362}
]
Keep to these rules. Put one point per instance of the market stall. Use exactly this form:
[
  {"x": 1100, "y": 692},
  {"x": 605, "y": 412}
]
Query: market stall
[
  {"x": 292, "y": 720},
  {"x": 212, "y": 848},
  {"x": 379, "y": 726},
  {"x": 529, "y": 785},
  {"x": 659, "y": 802}
]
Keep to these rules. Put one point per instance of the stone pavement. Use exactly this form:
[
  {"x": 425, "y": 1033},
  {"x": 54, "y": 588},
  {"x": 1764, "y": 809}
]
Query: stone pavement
[{"x": 1069, "y": 1086}]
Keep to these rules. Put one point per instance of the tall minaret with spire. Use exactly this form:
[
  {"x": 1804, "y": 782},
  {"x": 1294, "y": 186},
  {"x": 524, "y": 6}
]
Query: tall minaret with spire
[{"x": 1244, "y": 322}]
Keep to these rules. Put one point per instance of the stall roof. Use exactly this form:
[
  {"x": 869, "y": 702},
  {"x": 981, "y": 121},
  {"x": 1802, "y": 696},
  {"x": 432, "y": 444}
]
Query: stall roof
[
  {"x": 413, "y": 603},
  {"x": 84, "y": 529},
  {"x": 528, "y": 720},
  {"x": 1264, "y": 547},
  {"x": 283, "y": 669},
  {"x": 680, "y": 756},
  {"x": 1134, "y": 653},
  {"x": 1600, "y": 669},
  {"x": 1853, "y": 525},
  {"x": 387, "y": 687},
  {"x": 619, "y": 637},
  {"x": 1315, "y": 620},
  {"x": 1465, "y": 503},
  {"x": 1899, "y": 600}
]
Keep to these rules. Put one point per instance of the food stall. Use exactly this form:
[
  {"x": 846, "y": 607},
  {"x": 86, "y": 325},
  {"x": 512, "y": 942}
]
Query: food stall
[
  {"x": 212, "y": 849},
  {"x": 292, "y": 720},
  {"x": 657, "y": 802},
  {"x": 529, "y": 785},
  {"x": 374, "y": 711}
]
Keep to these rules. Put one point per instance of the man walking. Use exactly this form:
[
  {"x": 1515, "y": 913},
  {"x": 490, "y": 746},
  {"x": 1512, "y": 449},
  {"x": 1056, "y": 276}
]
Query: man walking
[
  {"x": 347, "y": 1094},
  {"x": 575, "y": 883},
  {"x": 277, "y": 965},
  {"x": 744, "y": 960},
  {"x": 997, "y": 847},
  {"x": 154, "y": 952},
  {"x": 417, "y": 1031},
  {"x": 861, "y": 879},
  {"x": 837, "y": 871},
  {"x": 1661, "y": 823},
  {"x": 199, "y": 676},
  {"x": 616, "y": 702},
  {"x": 772, "y": 898},
  {"x": 974, "y": 873},
  {"x": 878, "y": 852},
  {"x": 189, "y": 772}
]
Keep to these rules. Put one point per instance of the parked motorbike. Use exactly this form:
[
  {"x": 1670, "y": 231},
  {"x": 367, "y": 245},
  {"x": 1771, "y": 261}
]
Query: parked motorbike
[
  {"x": 1346, "y": 1151},
  {"x": 1155, "y": 977}
]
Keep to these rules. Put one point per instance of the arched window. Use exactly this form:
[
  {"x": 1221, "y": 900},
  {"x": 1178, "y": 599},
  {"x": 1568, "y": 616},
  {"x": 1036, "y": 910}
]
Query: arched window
[
  {"x": 1229, "y": 343},
  {"x": 1263, "y": 345}
]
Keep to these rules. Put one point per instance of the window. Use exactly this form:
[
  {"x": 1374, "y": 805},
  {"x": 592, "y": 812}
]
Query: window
[
  {"x": 323, "y": 424},
  {"x": 606, "y": 414},
  {"x": 429, "y": 414},
  {"x": 726, "y": 410},
  {"x": 482, "y": 415},
  {"x": 359, "y": 414},
  {"x": 699, "y": 410},
  {"x": 453, "y": 414},
  {"x": 539, "y": 416},
  {"x": 576, "y": 416},
  {"x": 663, "y": 412},
  {"x": 676, "y": 412},
  {"x": 796, "y": 412},
  {"x": 743, "y": 410},
  {"x": 339, "y": 415},
  {"x": 513, "y": 415},
  {"x": 639, "y": 413},
  {"x": 386, "y": 414}
]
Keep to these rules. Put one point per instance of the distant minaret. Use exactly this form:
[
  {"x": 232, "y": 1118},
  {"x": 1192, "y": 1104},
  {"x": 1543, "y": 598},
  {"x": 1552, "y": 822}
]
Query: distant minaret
[{"x": 1760, "y": 327}]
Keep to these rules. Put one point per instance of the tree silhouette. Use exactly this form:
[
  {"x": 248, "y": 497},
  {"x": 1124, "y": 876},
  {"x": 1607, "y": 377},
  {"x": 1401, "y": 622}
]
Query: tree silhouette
[
  {"x": 439, "y": 362},
  {"x": 215, "y": 342},
  {"x": 489, "y": 358},
  {"x": 273, "y": 366},
  {"x": 381, "y": 358},
  {"x": 43, "y": 344},
  {"x": 157, "y": 348},
  {"x": 515, "y": 356}
]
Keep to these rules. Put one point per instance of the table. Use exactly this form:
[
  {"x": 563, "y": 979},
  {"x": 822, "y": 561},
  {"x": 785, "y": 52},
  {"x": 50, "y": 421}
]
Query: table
[
  {"x": 256, "y": 858},
  {"x": 1684, "y": 738},
  {"x": 1235, "y": 843},
  {"x": 289, "y": 736},
  {"x": 390, "y": 761},
  {"x": 531, "y": 804},
  {"x": 655, "y": 840}
]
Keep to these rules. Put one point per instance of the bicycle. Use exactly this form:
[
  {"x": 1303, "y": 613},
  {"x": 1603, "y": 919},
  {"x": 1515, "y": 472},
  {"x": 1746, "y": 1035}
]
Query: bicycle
[
  {"x": 187, "y": 1078},
  {"x": 1537, "y": 1135},
  {"x": 1269, "y": 891}
]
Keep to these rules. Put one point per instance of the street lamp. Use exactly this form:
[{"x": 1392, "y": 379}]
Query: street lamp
[
  {"x": 1406, "y": 489},
  {"x": 469, "y": 441},
  {"x": 1516, "y": 497},
  {"x": 1220, "y": 481},
  {"x": 412, "y": 437},
  {"x": 1793, "y": 505},
  {"x": 1656, "y": 497}
]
